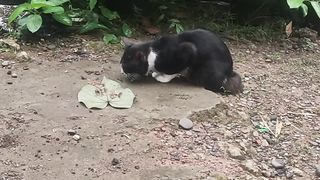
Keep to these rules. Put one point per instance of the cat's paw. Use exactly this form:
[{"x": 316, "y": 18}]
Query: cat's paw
[{"x": 164, "y": 78}]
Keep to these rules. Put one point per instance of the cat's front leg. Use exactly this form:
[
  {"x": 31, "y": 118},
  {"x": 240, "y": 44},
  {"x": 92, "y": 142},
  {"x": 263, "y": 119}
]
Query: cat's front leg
[{"x": 164, "y": 78}]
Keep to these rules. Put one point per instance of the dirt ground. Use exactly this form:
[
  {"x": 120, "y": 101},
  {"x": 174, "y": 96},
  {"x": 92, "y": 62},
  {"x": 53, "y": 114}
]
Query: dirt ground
[{"x": 39, "y": 107}]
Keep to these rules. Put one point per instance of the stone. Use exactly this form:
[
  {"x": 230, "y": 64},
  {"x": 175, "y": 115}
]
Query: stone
[
  {"x": 273, "y": 117},
  {"x": 72, "y": 132},
  {"x": 235, "y": 152},
  {"x": 251, "y": 166},
  {"x": 185, "y": 123},
  {"x": 317, "y": 170},
  {"x": 25, "y": 68},
  {"x": 23, "y": 55},
  {"x": 264, "y": 143},
  {"x": 14, "y": 75},
  {"x": 76, "y": 137},
  {"x": 51, "y": 46},
  {"x": 5, "y": 63},
  {"x": 115, "y": 161},
  {"x": 277, "y": 163},
  {"x": 9, "y": 82},
  {"x": 297, "y": 172}
]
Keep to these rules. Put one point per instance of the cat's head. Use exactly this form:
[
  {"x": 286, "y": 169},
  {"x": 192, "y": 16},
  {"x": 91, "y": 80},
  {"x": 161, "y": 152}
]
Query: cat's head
[{"x": 134, "y": 59}]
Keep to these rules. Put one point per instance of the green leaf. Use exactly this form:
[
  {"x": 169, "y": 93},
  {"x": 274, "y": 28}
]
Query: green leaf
[
  {"x": 34, "y": 22},
  {"x": 126, "y": 30},
  {"x": 92, "y": 97},
  {"x": 23, "y": 21},
  {"x": 112, "y": 93},
  {"x": 110, "y": 39},
  {"x": 41, "y": 5},
  {"x": 18, "y": 11},
  {"x": 110, "y": 15},
  {"x": 121, "y": 98},
  {"x": 62, "y": 18},
  {"x": 53, "y": 9},
  {"x": 316, "y": 7},
  {"x": 89, "y": 26},
  {"x": 294, "y": 3},
  {"x": 92, "y": 4},
  {"x": 110, "y": 85},
  {"x": 262, "y": 129},
  {"x": 304, "y": 9},
  {"x": 58, "y": 2}
]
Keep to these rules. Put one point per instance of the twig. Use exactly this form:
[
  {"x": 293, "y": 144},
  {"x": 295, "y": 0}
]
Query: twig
[
  {"x": 266, "y": 125},
  {"x": 305, "y": 114}
]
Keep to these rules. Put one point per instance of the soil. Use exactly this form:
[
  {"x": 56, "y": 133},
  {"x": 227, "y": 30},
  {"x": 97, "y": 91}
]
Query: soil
[{"x": 234, "y": 137}]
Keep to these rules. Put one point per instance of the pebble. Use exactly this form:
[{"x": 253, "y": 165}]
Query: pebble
[
  {"x": 317, "y": 170},
  {"x": 23, "y": 55},
  {"x": 273, "y": 117},
  {"x": 115, "y": 161},
  {"x": 72, "y": 132},
  {"x": 264, "y": 143},
  {"x": 251, "y": 166},
  {"x": 298, "y": 172},
  {"x": 76, "y": 137},
  {"x": 14, "y": 75},
  {"x": 25, "y": 68},
  {"x": 51, "y": 46},
  {"x": 9, "y": 72},
  {"x": 277, "y": 163},
  {"x": 9, "y": 82},
  {"x": 5, "y": 63},
  {"x": 235, "y": 152},
  {"x": 185, "y": 123}
]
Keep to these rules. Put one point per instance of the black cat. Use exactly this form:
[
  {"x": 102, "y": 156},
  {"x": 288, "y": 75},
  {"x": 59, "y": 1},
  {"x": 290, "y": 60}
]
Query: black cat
[{"x": 199, "y": 55}]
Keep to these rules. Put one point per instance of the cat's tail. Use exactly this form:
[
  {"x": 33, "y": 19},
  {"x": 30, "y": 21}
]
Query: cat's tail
[{"x": 233, "y": 84}]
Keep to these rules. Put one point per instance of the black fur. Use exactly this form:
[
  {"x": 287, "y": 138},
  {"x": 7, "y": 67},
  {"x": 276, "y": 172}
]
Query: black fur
[{"x": 206, "y": 57}]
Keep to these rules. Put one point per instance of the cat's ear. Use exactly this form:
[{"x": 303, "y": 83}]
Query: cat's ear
[
  {"x": 139, "y": 56},
  {"x": 127, "y": 42}
]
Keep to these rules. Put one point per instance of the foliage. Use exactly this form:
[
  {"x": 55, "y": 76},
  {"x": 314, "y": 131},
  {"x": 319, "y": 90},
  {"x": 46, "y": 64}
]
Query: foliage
[
  {"x": 34, "y": 8},
  {"x": 302, "y": 6}
]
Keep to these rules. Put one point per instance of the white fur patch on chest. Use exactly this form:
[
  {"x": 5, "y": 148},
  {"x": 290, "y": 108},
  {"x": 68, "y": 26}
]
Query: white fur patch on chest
[{"x": 151, "y": 61}]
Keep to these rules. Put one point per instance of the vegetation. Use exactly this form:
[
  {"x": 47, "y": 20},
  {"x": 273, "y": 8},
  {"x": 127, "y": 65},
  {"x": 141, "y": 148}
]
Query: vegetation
[{"x": 114, "y": 17}]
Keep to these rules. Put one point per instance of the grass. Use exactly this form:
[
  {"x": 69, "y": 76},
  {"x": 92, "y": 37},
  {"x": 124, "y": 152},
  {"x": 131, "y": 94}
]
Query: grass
[{"x": 222, "y": 21}]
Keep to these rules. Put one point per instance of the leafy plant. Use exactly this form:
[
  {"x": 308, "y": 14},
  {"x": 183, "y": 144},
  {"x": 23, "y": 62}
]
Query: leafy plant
[
  {"x": 32, "y": 10},
  {"x": 302, "y": 6},
  {"x": 176, "y": 25}
]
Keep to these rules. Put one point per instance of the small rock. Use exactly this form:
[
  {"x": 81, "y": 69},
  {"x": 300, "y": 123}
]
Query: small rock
[
  {"x": 298, "y": 172},
  {"x": 264, "y": 143},
  {"x": 97, "y": 73},
  {"x": 268, "y": 60},
  {"x": 9, "y": 82},
  {"x": 25, "y": 68},
  {"x": 9, "y": 72},
  {"x": 235, "y": 152},
  {"x": 273, "y": 117},
  {"x": 186, "y": 123},
  {"x": 5, "y": 63},
  {"x": 115, "y": 161},
  {"x": 76, "y": 137},
  {"x": 23, "y": 55},
  {"x": 72, "y": 132},
  {"x": 14, "y": 75},
  {"x": 317, "y": 170},
  {"x": 244, "y": 115},
  {"x": 267, "y": 173},
  {"x": 83, "y": 78},
  {"x": 277, "y": 163},
  {"x": 255, "y": 133},
  {"x": 251, "y": 166},
  {"x": 228, "y": 134},
  {"x": 51, "y": 46},
  {"x": 137, "y": 167}
]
